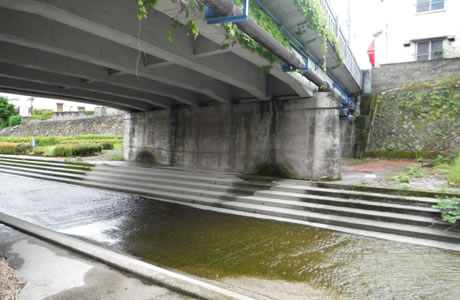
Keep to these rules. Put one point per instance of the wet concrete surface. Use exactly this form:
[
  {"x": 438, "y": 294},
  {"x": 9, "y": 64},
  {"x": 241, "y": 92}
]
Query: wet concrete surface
[
  {"x": 51, "y": 272},
  {"x": 274, "y": 260}
]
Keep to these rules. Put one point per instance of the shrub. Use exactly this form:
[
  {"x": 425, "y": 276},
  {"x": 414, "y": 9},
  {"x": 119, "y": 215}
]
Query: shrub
[
  {"x": 77, "y": 150},
  {"x": 7, "y": 148},
  {"x": 450, "y": 209},
  {"x": 24, "y": 148},
  {"x": 41, "y": 115},
  {"x": 89, "y": 113},
  {"x": 107, "y": 146},
  {"x": 63, "y": 150},
  {"x": 14, "y": 120},
  {"x": 6, "y": 111}
]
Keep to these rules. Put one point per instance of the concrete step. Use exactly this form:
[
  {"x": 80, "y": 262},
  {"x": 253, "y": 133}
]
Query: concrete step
[
  {"x": 380, "y": 226},
  {"x": 381, "y": 190},
  {"x": 46, "y": 164},
  {"x": 401, "y": 218},
  {"x": 222, "y": 191},
  {"x": 350, "y": 202},
  {"x": 343, "y": 193},
  {"x": 390, "y": 218},
  {"x": 43, "y": 159},
  {"x": 293, "y": 192},
  {"x": 43, "y": 171},
  {"x": 237, "y": 185}
]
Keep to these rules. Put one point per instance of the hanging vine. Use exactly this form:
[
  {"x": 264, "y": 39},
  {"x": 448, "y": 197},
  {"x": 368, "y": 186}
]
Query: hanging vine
[
  {"x": 145, "y": 5},
  {"x": 318, "y": 21},
  {"x": 311, "y": 9}
]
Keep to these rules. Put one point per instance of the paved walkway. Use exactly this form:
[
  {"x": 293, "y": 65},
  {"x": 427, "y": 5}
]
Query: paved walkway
[{"x": 54, "y": 273}]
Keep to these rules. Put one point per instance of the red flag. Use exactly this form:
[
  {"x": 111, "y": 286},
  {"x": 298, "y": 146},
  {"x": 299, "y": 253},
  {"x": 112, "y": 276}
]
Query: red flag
[{"x": 371, "y": 53}]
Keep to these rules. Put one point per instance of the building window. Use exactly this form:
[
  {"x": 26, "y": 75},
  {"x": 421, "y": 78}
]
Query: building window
[
  {"x": 429, "y": 5},
  {"x": 429, "y": 50}
]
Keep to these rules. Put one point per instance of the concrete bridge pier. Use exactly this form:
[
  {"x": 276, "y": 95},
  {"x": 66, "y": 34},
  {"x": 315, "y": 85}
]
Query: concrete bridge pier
[{"x": 302, "y": 135}]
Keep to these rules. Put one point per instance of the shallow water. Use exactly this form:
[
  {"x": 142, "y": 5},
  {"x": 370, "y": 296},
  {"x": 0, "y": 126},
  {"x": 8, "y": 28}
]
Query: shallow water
[
  {"x": 216, "y": 246},
  {"x": 238, "y": 250}
]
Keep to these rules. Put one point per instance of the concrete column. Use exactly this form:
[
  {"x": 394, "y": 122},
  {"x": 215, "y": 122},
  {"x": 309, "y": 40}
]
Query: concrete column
[{"x": 302, "y": 135}]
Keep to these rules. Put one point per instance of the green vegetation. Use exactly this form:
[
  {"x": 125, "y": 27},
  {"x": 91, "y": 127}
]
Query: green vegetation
[
  {"x": 77, "y": 150},
  {"x": 318, "y": 21},
  {"x": 454, "y": 172},
  {"x": 7, "y": 111},
  {"x": 14, "y": 120},
  {"x": 311, "y": 9},
  {"x": 402, "y": 179},
  {"x": 41, "y": 114},
  {"x": 81, "y": 145},
  {"x": 116, "y": 157},
  {"x": 89, "y": 113},
  {"x": 415, "y": 172},
  {"x": 402, "y": 154},
  {"x": 270, "y": 169},
  {"x": 12, "y": 148},
  {"x": 450, "y": 209}
]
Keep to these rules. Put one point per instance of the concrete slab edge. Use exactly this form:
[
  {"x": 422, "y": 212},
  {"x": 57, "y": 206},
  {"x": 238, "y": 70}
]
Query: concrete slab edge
[{"x": 173, "y": 281}]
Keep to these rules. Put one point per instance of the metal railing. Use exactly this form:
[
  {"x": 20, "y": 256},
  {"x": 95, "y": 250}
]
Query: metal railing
[{"x": 348, "y": 58}]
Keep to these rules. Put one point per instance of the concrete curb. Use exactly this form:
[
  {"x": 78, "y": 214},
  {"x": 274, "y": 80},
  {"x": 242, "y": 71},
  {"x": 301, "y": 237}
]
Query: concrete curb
[{"x": 162, "y": 277}]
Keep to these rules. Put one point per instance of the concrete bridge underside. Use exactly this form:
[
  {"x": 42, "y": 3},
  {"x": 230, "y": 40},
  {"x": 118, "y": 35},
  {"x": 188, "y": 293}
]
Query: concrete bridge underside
[{"x": 98, "y": 52}]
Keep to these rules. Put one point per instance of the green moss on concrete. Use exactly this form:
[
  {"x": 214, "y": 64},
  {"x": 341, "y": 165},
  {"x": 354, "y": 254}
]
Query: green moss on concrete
[
  {"x": 146, "y": 156},
  {"x": 402, "y": 154},
  {"x": 270, "y": 169}
]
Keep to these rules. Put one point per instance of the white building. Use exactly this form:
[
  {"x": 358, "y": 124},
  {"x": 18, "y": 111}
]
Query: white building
[
  {"x": 25, "y": 104},
  {"x": 415, "y": 30}
]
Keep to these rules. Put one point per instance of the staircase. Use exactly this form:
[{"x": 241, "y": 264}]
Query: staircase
[{"x": 404, "y": 216}]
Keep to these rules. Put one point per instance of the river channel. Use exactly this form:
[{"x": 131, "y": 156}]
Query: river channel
[{"x": 283, "y": 261}]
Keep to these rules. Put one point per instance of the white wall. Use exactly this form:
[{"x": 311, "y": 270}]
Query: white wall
[{"x": 403, "y": 24}]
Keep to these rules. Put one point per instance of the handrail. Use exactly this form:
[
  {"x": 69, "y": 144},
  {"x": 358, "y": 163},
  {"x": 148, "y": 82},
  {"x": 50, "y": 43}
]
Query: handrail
[{"x": 348, "y": 57}]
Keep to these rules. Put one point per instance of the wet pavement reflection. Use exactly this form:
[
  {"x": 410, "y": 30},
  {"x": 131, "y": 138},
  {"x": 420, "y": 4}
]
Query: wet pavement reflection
[{"x": 218, "y": 246}]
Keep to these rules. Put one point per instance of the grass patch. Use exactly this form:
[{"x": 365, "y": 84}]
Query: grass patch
[
  {"x": 118, "y": 157},
  {"x": 402, "y": 179},
  {"x": 118, "y": 146},
  {"x": 454, "y": 172}
]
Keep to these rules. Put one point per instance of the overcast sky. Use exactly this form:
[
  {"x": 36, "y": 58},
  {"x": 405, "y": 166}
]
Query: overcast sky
[{"x": 365, "y": 21}]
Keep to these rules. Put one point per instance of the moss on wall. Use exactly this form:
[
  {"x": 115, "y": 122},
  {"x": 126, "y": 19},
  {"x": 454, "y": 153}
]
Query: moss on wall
[{"x": 419, "y": 117}]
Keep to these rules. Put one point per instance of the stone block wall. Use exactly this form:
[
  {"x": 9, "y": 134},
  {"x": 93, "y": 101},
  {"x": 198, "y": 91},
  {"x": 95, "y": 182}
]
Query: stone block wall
[
  {"x": 90, "y": 125},
  {"x": 302, "y": 135},
  {"x": 416, "y": 110},
  {"x": 393, "y": 76}
]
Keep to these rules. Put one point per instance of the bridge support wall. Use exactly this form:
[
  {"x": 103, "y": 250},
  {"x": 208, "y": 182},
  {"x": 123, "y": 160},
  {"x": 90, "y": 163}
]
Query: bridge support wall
[{"x": 302, "y": 135}]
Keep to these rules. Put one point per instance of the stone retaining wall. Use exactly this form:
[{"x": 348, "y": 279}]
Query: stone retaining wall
[
  {"x": 93, "y": 125},
  {"x": 416, "y": 110}
]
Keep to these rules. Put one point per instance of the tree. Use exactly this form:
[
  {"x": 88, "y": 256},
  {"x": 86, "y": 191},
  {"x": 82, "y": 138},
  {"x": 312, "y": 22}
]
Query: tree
[{"x": 6, "y": 111}]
